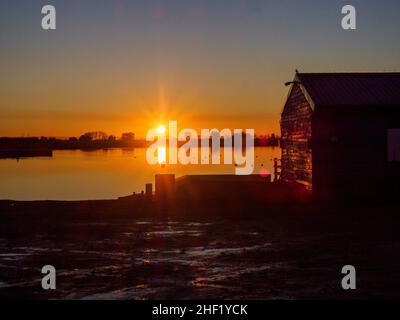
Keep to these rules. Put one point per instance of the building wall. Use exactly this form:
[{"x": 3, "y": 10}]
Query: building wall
[
  {"x": 341, "y": 151},
  {"x": 350, "y": 152},
  {"x": 296, "y": 130},
  {"x": 165, "y": 189},
  {"x": 235, "y": 192}
]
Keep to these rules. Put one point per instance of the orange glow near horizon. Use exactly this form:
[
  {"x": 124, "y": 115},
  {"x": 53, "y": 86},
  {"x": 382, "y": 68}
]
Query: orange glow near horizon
[
  {"x": 68, "y": 125},
  {"x": 149, "y": 111}
]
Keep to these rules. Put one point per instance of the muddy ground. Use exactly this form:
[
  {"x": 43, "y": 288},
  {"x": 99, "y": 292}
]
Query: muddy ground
[{"x": 280, "y": 253}]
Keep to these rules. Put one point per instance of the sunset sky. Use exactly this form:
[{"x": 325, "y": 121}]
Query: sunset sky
[{"x": 121, "y": 66}]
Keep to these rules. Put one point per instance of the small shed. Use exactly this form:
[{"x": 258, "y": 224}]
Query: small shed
[{"x": 341, "y": 134}]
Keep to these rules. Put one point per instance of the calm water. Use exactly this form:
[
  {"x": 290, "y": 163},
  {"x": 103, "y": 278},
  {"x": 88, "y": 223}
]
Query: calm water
[{"x": 101, "y": 174}]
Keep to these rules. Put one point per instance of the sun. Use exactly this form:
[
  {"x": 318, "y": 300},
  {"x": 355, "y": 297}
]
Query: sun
[{"x": 161, "y": 129}]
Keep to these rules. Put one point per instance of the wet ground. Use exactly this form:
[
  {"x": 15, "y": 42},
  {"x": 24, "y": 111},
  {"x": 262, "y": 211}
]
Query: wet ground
[{"x": 213, "y": 259}]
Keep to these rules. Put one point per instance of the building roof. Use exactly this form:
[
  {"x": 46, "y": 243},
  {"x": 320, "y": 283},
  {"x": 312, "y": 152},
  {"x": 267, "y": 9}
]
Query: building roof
[{"x": 351, "y": 89}]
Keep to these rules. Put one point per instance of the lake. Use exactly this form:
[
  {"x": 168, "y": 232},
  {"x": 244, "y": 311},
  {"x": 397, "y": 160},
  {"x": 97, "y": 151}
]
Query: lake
[{"x": 100, "y": 174}]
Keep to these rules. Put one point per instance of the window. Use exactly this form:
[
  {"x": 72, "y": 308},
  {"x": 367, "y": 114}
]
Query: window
[{"x": 394, "y": 144}]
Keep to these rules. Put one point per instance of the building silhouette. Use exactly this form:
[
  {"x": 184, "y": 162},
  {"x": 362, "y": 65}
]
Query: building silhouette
[{"x": 340, "y": 134}]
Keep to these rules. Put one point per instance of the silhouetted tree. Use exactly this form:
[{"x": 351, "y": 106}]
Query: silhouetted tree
[
  {"x": 128, "y": 137},
  {"x": 93, "y": 136},
  {"x": 85, "y": 137}
]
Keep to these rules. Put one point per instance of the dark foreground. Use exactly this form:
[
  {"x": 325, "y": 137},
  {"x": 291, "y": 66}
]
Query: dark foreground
[{"x": 120, "y": 250}]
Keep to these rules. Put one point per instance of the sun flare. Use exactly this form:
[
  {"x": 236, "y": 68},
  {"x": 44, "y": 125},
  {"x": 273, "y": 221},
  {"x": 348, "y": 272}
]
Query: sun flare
[{"x": 161, "y": 129}]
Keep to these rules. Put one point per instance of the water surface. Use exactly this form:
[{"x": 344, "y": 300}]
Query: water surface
[{"x": 100, "y": 174}]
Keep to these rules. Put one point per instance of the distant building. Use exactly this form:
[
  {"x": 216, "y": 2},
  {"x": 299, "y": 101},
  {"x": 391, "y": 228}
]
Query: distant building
[{"x": 341, "y": 134}]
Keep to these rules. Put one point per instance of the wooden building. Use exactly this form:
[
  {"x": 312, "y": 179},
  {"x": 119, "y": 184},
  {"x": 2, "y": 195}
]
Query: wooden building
[{"x": 341, "y": 134}]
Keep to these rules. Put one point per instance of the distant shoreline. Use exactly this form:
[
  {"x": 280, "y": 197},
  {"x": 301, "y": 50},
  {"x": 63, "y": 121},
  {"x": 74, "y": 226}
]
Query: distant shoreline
[{"x": 16, "y": 148}]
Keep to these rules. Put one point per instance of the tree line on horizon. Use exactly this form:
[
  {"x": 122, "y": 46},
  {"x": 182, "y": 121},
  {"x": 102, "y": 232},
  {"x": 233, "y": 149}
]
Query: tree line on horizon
[{"x": 100, "y": 139}]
